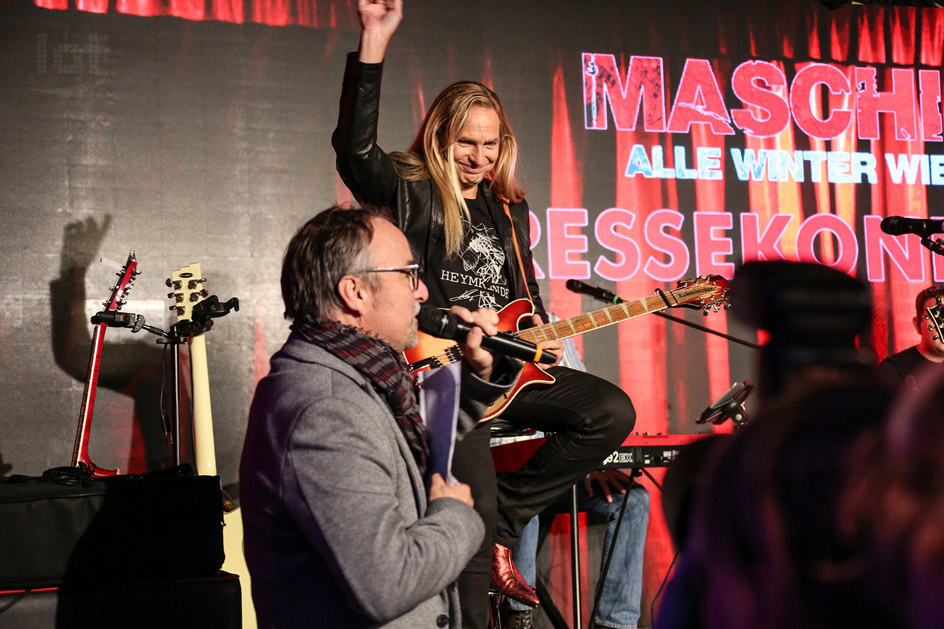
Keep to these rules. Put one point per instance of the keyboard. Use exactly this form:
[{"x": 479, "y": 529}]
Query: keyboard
[
  {"x": 649, "y": 450},
  {"x": 637, "y": 451}
]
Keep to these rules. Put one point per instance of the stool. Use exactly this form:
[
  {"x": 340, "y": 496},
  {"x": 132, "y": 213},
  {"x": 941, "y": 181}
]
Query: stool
[
  {"x": 519, "y": 442},
  {"x": 495, "y": 599}
]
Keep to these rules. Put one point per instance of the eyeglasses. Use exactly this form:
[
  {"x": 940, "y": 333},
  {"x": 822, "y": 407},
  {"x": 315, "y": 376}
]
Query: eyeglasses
[{"x": 412, "y": 270}]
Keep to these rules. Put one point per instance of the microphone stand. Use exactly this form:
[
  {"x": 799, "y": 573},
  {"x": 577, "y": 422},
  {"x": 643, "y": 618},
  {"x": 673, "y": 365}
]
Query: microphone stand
[
  {"x": 697, "y": 326},
  {"x": 616, "y": 299},
  {"x": 136, "y": 322},
  {"x": 936, "y": 246},
  {"x": 202, "y": 316}
]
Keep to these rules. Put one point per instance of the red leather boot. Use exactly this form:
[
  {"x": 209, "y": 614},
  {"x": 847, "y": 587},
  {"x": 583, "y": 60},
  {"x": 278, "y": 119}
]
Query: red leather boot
[{"x": 506, "y": 579}]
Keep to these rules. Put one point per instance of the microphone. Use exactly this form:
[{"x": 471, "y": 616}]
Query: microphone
[
  {"x": 576, "y": 286},
  {"x": 117, "y": 319},
  {"x": 445, "y": 325},
  {"x": 898, "y": 225}
]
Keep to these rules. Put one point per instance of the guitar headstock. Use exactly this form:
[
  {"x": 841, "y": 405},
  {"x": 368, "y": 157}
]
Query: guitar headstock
[
  {"x": 123, "y": 286},
  {"x": 708, "y": 294},
  {"x": 935, "y": 317},
  {"x": 188, "y": 290}
]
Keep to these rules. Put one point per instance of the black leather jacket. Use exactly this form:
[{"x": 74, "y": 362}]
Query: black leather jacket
[{"x": 370, "y": 175}]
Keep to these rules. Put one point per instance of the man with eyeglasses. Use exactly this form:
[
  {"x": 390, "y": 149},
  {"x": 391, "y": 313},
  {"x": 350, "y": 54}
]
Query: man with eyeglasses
[
  {"x": 345, "y": 525},
  {"x": 457, "y": 199}
]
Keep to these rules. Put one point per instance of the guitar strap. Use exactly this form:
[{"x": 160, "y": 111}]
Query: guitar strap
[{"x": 514, "y": 239}]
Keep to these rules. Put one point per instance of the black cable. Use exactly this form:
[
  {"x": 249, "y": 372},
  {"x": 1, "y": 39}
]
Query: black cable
[{"x": 13, "y": 602}]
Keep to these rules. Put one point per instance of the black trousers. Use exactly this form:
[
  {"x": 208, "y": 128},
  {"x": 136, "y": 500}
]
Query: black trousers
[{"x": 589, "y": 418}]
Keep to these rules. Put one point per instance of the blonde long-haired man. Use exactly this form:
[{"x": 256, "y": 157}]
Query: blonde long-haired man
[{"x": 457, "y": 200}]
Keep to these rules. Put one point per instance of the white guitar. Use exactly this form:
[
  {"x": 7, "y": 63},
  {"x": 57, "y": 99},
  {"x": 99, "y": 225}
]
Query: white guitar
[{"x": 188, "y": 290}]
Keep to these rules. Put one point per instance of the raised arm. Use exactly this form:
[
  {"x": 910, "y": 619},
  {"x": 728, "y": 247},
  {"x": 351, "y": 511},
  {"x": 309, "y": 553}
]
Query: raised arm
[
  {"x": 379, "y": 20},
  {"x": 363, "y": 166}
]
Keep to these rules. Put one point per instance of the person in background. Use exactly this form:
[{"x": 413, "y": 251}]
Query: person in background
[
  {"x": 900, "y": 369},
  {"x": 766, "y": 547},
  {"x": 894, "y": 508}
]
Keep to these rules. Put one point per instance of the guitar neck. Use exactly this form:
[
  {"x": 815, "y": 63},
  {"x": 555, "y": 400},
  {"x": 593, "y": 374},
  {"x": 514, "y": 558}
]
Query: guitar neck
[
  {"x": 204, "y": 449},
  {"x": 611, "y": 315},
  {"x": 80, "y": 450}
]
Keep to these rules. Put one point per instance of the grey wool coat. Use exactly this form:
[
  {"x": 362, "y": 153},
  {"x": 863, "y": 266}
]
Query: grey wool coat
[{"x": 338, "y": 530}]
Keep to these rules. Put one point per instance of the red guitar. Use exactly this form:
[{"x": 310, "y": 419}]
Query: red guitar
[
  {"x": 433, "y": 352},
  {"x": 80, "y": 454}
]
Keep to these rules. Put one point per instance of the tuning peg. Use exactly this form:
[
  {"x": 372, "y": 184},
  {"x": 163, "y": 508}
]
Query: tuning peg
[
  {"x": 727, "y": 305},
  {"x": 704, "y": 311},
  {"x": 168, "y": 283}
]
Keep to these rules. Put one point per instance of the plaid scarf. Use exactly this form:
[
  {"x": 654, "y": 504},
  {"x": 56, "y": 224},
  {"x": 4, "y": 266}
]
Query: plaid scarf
[{"x": 385, "y": 369}]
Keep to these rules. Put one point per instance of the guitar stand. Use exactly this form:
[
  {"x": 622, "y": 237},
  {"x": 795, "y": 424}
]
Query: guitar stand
[{"x": 203, "y": 314}]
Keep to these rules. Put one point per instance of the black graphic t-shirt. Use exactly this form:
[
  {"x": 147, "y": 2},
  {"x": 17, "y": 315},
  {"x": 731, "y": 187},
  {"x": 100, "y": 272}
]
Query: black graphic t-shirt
[
  {"x": 900, "y": 369},
  {"x": 477, "y": 277}
]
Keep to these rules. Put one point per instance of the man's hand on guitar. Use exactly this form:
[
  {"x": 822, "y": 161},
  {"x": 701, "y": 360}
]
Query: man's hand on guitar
[
  {"x": 485, "y": 322},
  {"x": 554, "y": 345}
]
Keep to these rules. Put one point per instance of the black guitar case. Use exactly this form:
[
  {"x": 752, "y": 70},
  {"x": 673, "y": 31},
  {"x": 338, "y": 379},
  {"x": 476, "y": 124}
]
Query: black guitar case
[{"x": 65, "y": 528}]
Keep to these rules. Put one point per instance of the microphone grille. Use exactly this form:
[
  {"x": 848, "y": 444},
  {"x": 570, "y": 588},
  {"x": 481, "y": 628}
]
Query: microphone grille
[
  {"x": 574, "y": 285},
  {"x": 894, "y": 225},
  {"x": 436, "y": 322}
]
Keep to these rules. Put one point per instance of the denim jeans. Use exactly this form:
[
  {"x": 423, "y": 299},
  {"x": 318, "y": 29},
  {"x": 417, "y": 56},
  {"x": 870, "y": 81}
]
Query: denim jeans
[
  {"x": 622, "y": 592},
  {"x": 589, "y": 417}
]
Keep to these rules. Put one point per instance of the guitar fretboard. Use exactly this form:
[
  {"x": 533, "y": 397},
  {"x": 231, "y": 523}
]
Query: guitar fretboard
[{"x": 609, "y": 316}]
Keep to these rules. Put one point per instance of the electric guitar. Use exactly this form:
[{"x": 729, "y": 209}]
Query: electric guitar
[
  {"x": 705, "y": 293},
  {"x": 188, "y": 291},
  {"x": 80, "y": 452}
]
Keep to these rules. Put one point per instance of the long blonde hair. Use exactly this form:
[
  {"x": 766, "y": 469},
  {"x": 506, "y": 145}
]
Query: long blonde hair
[{"x": 431, "y": 154}]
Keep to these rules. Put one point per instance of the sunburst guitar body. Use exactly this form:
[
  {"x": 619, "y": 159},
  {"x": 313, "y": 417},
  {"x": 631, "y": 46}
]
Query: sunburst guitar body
[{"x": 704, "y": 293}]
